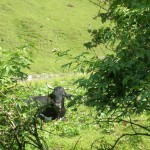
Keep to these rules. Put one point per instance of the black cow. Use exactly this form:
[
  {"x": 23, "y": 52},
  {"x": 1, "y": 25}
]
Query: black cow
[{"x": 52, "y": 106}]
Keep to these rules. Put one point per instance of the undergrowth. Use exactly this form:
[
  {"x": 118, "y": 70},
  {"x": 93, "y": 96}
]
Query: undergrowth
[{"x": 83, "y": 127}]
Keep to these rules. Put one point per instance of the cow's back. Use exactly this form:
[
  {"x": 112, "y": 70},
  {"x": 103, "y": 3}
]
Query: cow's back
[{"x": 42, "y": 100}]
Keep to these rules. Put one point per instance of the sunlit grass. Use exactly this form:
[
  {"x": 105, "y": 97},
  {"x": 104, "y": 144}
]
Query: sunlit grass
[
  {"x": 45, "y": 25},
  {"x": 42, "y": 26},
  {"x": 82, "y": 129}
]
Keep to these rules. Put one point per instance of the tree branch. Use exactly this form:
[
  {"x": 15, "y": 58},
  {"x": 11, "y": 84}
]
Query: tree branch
[{"x": 135, "y": 134}]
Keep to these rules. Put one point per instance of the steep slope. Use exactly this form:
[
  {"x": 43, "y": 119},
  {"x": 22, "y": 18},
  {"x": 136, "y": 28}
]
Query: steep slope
[{"x": 45, "y": 25}]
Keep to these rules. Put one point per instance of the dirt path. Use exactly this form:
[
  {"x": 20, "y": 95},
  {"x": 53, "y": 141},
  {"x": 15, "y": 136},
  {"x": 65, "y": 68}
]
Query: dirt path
[{"x": 45, "y": 76}]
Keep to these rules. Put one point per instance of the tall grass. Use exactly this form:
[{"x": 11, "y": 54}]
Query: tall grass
[{"x": 82, "y": 129}]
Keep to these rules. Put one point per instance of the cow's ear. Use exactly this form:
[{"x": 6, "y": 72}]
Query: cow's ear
[{"x": 68, "y": 96}]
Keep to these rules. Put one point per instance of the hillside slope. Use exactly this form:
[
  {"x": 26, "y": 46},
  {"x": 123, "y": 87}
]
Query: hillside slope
[{"x": 45, "y": 25}]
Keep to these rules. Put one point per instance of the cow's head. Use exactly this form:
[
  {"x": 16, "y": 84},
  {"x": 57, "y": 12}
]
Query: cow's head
[{"x": 57, "y": 97}]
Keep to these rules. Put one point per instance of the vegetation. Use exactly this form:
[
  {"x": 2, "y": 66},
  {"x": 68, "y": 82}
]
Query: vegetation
[
  {"x": 111, "y": 98},
  {"x": 120, "y": 80},
  {"x": 18, "y": 123},
  {"x": 45, "y": 26},
  {"x": 119, "y": 84}
]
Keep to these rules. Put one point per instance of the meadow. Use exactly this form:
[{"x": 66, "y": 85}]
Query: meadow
[
  {"x": 46, "y": 26},
  {"x": 83, "y": 129},
  {"x": 43, "y": 27}
]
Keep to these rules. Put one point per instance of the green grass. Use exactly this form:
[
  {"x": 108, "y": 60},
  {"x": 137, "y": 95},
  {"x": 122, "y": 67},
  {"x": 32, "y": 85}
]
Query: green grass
[
  {"x": 45, "y": 25},
  {"x": 81, "y": 130}
]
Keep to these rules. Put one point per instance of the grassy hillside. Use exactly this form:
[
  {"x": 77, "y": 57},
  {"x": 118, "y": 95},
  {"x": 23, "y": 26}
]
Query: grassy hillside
[
  {"x": 82, "y": 129},
  {"x": 46, "y": 25}
]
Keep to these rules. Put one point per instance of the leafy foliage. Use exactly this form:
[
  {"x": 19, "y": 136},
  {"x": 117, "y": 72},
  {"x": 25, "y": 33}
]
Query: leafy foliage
[
  {"x": 18, "y": 126},
  {"x": 118, "y": 84},
  {"x": 121, "y": 80},
  {"x": 11, "y": 65}
]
